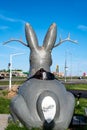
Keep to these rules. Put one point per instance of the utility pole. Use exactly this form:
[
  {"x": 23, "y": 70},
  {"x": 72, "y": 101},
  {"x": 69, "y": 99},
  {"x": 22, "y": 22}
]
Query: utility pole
[{"x": 71, "y": 66}]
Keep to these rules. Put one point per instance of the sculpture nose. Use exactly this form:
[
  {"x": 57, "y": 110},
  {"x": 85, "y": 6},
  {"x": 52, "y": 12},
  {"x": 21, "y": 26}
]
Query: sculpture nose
[{"x": 48, "y": 108}]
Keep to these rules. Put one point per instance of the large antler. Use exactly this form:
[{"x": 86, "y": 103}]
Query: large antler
[
  {"x": 17, "y": 40},
  {"x": 65, "y": 40}
]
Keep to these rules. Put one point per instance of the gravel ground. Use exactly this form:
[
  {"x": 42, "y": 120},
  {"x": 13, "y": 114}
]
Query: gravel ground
[{"x": 3, "y": 121}]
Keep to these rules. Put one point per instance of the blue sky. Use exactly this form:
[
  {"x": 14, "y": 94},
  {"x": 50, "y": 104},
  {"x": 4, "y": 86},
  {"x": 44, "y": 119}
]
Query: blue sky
[{"x": 69, "y": 15}]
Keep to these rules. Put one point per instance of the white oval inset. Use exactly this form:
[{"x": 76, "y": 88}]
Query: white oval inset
[{"x": 49, "y": 108}]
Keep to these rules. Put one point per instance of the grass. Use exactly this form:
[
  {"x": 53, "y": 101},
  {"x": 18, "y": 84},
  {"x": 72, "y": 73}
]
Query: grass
[
  {"x": 4, "y": 105},
  {"x": 3, "y": 93},
  {"x": 81, "y": 128},
  {"x": 13, "y": 82},
  {"x": 76, "y": 86},
  {"x": 13, "y": 126},
  {"x": 80, "y": 109}
]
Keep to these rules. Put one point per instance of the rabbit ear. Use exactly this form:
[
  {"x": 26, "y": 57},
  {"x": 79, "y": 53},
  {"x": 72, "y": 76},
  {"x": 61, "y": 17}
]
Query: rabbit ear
[
  {"x": 31, "y": 37},
  {"x": 50, "y": 37}
]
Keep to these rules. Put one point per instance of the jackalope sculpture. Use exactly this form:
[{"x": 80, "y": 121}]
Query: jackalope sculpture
[{"x": 42, "y": 103}]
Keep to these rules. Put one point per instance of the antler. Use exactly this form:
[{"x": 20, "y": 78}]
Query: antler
[
  {"x": 17, "y": 40},
  {"x": 65, "y": 40}
]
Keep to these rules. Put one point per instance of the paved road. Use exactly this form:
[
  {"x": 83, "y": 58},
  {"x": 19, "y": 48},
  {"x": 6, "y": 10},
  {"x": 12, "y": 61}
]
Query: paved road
[
  {"x": 82, "y": 93},
  {"x": 2, "y": 87},
  {"x": 75, "y": 81},
  {"x": 3, "y": 121}
]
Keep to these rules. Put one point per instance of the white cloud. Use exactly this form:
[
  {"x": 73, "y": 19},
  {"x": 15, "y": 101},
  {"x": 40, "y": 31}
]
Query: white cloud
[
  {"x": 82, "y": 27},
  {"x": 6, "y": 18},
  {"x": 15, "y": 48},
  {"x": 9, "y": 19}
]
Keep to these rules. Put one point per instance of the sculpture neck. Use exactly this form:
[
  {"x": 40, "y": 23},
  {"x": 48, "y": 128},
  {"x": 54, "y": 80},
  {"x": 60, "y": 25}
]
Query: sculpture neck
[{"x": 33, "y": 70}]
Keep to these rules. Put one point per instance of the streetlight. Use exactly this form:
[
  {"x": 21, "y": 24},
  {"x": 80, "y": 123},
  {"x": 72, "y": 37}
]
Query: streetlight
[
  {"x": 10, "y": 68},
  {"x": 65, "y": 66}
]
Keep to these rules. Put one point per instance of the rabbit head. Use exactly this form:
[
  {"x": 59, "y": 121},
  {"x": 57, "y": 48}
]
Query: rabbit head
[{"x": 40, "y": 56}]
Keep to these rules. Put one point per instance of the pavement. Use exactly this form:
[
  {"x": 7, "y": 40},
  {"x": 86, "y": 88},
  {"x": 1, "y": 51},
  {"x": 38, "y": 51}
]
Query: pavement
[
  {"x": 79, "y": 93},
  {"x": 3, "y": 121}
]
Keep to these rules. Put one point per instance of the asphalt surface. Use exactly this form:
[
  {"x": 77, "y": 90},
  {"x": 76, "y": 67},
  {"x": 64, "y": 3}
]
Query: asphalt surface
[
  {"x": 3, "y": 87},
  {"x": 79, "y": 93},
  {"x": 3, "y": 121}
]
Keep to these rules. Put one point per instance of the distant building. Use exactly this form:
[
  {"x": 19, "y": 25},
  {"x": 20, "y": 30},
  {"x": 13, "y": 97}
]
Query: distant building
[
  {"x": 60, "y": 74},
  {"x": 14, "y": 73},
  {"x": 57, "y": 69},
  {"x": 57, "y": 73},
  {"x": 84, "y": 74},
  {"x": 18, "y": 73}
]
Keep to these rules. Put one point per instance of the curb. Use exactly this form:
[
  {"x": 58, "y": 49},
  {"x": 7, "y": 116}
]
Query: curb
[{"x": 3, "y": 121}]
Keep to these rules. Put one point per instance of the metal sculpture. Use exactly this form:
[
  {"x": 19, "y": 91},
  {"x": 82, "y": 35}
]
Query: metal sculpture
[{"x": 42, "y": 102}]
